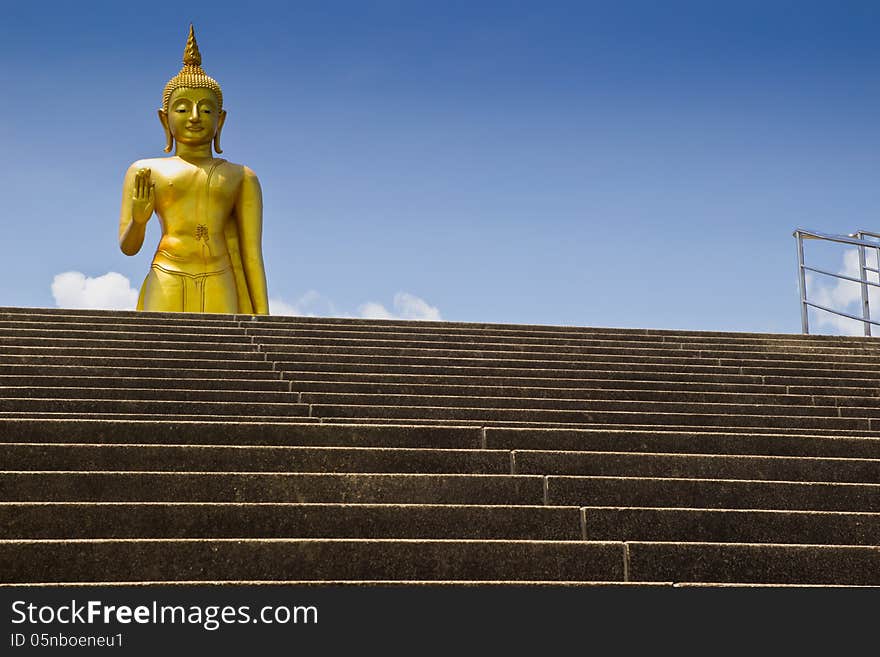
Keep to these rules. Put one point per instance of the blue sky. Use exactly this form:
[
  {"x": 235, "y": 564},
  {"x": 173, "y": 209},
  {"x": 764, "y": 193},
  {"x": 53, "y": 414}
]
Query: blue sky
[{"x": 631, "y": 164}]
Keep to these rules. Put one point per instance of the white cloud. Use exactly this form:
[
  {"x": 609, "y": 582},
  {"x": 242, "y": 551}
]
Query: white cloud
[
  {"x": 313, "y": 304},
  {"x": 409, "y": 306},
  {"x": 406, "y": 306},
  {"x": 279, "y": 307},
  {"x": 112, "y": 291},
  {"x": 373, "y": 310},
  {"x": 845, "y": 296}
]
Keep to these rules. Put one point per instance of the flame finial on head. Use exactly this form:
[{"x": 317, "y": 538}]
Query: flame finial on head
[
  {"x": 191, "y": 54},
  {"x": 191, "y": 75}
]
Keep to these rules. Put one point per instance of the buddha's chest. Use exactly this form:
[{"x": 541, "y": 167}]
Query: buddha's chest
[{"x": 211, "y": 187}]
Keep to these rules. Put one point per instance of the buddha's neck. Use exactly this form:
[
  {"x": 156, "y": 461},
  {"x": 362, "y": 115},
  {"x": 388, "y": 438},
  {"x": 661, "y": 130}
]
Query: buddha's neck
[{"x": 192, "y": 153}]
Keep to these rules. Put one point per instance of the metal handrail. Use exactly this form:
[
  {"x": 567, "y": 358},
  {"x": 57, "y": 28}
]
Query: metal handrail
[
  {"x": 843, "y": 276},
  {"x": 854, "y": 239}
]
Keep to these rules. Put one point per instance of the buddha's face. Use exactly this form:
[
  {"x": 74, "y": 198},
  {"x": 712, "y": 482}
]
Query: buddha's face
[{"x": 193, "y": 115}]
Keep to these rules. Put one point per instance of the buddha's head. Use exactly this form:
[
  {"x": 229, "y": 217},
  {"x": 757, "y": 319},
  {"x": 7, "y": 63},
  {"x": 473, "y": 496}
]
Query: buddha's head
[{"x": 192, "y": 104}]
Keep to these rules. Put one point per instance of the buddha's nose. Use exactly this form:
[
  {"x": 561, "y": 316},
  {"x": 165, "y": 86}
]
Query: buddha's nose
[{"x": 194, "y": 114}]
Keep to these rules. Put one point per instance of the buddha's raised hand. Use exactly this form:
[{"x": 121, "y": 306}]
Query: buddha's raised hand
[{"x": 142, "y": 197}]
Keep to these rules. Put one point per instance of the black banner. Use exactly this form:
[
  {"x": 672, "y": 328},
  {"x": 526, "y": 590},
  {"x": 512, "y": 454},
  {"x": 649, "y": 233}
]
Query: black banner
[{"x": 288, "y": 619}]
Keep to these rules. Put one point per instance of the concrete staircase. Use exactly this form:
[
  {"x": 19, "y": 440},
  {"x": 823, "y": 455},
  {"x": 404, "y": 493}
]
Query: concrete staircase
[{"x": 145, "y": 447}]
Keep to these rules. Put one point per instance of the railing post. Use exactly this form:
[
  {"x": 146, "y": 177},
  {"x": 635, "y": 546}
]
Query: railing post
[
  {"x": 802, "y": 283},
  {"x": 863, "y": 274}
]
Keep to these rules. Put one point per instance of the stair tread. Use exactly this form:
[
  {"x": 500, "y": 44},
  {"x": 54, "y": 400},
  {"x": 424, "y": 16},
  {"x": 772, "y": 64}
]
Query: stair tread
[{"x": 172, "y": 447}]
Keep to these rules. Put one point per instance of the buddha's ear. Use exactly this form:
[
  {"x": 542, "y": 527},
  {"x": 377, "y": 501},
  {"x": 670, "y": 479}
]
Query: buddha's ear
[
  {"x": 169, "y": 138},
  {"x": 220, "y": 121}
]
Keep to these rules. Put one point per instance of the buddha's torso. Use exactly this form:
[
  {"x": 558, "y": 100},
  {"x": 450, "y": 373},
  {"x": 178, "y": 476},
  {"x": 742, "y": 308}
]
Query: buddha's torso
[{"x": 193, "y": 203}]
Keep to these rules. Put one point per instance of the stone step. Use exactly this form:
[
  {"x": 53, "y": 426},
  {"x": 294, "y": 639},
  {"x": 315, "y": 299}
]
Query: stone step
[
  {"x": 165, "y": 417},
  {"x": 696, "y": 466},
  {"x": 589, "y": 389},
  {"x": 29, "y": 368},
  {"x": 607, "y": 426},
  {"x": 155, "y": 351},
  {"x": 586, "y": 417},
  {"x": 277, "y": 321},
  {"x": 612, "y": 390},
  {"x": 561, "y": 398},
  {"x": 376, "y": 560},
  {"x": 83, "y": 317},
  {"x": 802, "y": 406},
  {"x": 384, "y": 445},
  {"x": 596, "y": 378},
  {"x": 168, "y": 432},
  {"x": 711, "y": 493},
  {"x": 133, "y": 486},
  {"x": 31, "y": 520},
  {"x": 675, "y": 367},
  {"x": 219, "y": 458},
  {"x": 37, "y": 381},
  {"x": 623, "y": 353},
  {"x": 236, "y": 340},
  {"x": 150, "y": 406},
  {"x": 440, "y": 584},
  {"x": 731, "y": 526},
  {"x": 305, "y": 362},
  {"x": 760, "y": 563},
  {"x": 618, "y": 381},
  {"x": 106, "y": 344},
  {"x": 180, "y": 366},
  {"x": 681, "y": 441},
  {"x": 115, "y": 317},
  {"x": 166, "y": 392},
  {"x": 403, "y": 344},
  {"x": 564, "y": 370},
  {"x": 806, "y": 418},
  {"x": 282, "y": 322},
  {"x": 129, "y": 486},
  {"x": 518, "y": 424},
  {"x": 558, "y": 388},
  {"x": 164, "y": 560},
  {"x": 449, "y": 331},
  {"x": 193, "y": 325},
  {"x": 525, "y": 341},
  {"x": 425, "y": 433},
  {"x": 710, "y": 362},
  {"x": 26, "y": 520},
  {"x": 528, "y": 378}
]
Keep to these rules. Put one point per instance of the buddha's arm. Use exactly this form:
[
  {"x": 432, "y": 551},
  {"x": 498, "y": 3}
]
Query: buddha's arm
[
  {"x": 249, "y": 215},
  {"x": 137, "y": 208}
]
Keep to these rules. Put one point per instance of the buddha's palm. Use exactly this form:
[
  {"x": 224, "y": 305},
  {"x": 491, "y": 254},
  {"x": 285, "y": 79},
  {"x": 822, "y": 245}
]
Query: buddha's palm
[{"x": 142, "y": 197}]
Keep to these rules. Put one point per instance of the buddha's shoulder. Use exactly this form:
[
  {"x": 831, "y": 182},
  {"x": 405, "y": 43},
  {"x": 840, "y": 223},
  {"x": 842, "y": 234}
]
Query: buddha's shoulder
[
  {"x": 172, "y": 165},
  {"x": 240, "y": 169},
  {"x": 244, "y": 177},
  {"x": 149, "y": 162},
  {"x": 152, "y": 163}
]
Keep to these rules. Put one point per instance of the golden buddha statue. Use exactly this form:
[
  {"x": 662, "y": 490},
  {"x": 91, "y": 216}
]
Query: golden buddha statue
[{"x": 209, "y": 258}]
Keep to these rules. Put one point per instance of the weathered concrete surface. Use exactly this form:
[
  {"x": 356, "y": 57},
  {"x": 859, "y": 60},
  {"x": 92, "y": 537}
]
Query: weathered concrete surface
[
  {"x": 292, "y": 520},
  {"x": 176, "y": 447},
  {"x": 307, "y": 559}
]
